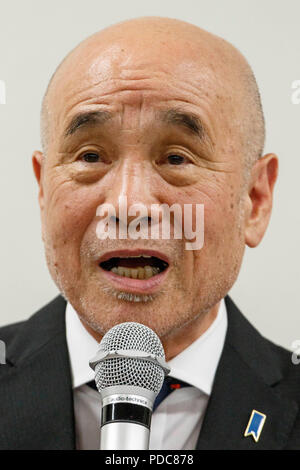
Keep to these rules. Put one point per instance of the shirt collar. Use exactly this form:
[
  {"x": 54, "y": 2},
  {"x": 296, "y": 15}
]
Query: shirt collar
[
  {"x": 196, "y": 365},
  {"x": 82, "y": 347}
]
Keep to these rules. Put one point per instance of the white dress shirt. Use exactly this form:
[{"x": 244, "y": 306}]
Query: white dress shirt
[{"x": 177, "y": 421}]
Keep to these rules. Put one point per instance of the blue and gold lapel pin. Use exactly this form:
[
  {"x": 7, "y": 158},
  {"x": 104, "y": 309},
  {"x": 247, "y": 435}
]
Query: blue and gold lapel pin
[{"x": 255, "y": 425}]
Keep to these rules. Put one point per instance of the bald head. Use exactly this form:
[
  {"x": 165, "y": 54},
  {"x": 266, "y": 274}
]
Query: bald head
[{"x": 142, "y": 40}]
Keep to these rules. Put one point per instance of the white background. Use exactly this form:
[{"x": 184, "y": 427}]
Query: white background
[{"x": 36, "y": 34}]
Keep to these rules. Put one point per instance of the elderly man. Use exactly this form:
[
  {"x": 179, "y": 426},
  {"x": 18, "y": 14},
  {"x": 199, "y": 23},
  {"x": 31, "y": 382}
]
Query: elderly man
[{"x": 151, "y": 111}]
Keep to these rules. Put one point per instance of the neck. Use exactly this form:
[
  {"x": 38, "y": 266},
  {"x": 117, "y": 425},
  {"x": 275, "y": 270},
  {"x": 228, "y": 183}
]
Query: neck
[{"x": 183, "y": 337}]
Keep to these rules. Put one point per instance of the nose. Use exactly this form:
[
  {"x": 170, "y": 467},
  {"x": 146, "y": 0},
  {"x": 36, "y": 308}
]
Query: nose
[{"x": 132, "y": 190}]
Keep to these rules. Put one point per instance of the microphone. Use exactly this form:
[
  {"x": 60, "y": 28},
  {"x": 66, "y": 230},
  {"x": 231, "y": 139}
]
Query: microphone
[{"x": 129, "y": 370}]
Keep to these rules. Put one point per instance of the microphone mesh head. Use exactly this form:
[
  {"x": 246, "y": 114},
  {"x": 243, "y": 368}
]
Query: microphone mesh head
[{"x": 130, "y": 371}]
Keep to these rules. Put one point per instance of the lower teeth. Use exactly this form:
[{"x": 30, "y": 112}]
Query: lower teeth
[{"x": 136, "y": 273}]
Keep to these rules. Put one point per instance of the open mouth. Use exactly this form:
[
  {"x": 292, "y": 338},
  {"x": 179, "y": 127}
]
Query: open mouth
[{"x": 136, "y": 266}]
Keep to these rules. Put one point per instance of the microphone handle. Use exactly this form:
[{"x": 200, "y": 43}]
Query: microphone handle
[
  {"x": 125, "y": 426},
  {"x": 124, "y": 436}
]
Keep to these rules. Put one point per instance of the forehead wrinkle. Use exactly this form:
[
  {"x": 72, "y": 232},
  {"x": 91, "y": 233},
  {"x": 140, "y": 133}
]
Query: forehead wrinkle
[
  {"x": 150, "y": 83},
  {"x": 184, "y": 90}
]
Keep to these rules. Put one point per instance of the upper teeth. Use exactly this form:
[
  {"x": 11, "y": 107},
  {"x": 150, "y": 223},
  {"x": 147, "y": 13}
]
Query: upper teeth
[{"x": 139, "y": 256}]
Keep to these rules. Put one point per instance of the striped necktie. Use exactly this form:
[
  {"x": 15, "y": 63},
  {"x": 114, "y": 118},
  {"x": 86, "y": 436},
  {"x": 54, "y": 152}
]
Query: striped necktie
[{"x": 170, "y": 384}]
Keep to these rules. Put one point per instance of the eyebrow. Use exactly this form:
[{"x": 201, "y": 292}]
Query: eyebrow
[
  {"x": 87, "y": 119},
  {"x": 185, "y": 119},
  {"x": 173, "y": 116}
]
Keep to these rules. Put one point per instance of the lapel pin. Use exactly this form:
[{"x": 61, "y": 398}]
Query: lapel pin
[{"x": 255, "y": 425}]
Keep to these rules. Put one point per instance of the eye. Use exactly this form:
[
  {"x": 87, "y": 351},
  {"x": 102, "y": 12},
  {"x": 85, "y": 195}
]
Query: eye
[
  {"x": 176, "y": 159},
  {"x": 90, "y": 157}
]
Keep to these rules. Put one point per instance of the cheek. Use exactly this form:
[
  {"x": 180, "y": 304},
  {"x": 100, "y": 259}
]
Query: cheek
[
  {"x": 223, "y": 244},
  {"x": 219, "y": 197},
  {"x": 220, "y": 224},
  {"x": 69, "y": 210}
]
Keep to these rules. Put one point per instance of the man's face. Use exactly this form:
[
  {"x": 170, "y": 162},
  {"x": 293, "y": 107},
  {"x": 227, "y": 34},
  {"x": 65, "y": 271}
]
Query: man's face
[{"x": 147, "y": 149}]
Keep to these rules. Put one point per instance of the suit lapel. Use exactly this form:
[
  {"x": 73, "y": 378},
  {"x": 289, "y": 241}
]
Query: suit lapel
[
  {"x": 246, "y": 380},
  {"x": 35, "y": 385}
]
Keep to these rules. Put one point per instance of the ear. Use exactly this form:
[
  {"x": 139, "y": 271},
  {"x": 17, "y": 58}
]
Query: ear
[
  {"x": 38, "y": 168},
  {"x": 260, "y": 198}
]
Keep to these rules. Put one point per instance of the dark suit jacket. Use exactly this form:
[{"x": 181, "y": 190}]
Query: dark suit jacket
[{"x": 36, "y": 402}]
